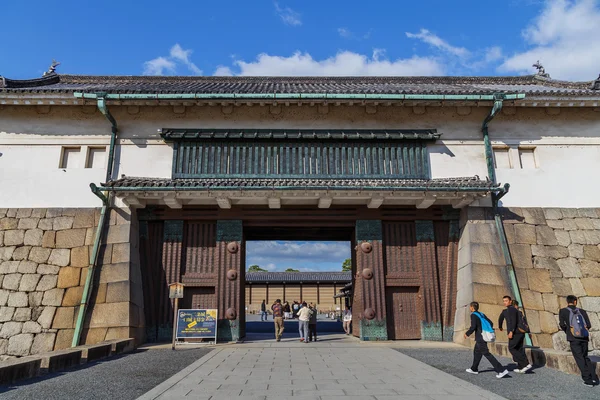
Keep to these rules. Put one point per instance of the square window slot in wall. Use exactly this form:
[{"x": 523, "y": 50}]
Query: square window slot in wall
[
  {"x": 501, "y": 157},
  {"x": 527, "y": 157},
  {"x": 96, "y": 157},
  {"x": 70, "y": 157}
]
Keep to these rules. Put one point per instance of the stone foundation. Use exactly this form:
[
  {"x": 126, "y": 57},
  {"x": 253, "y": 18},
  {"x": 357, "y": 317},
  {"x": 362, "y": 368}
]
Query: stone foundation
[
  {"x": 556, "y": 252},
  {"x": 44, "y": 260}
]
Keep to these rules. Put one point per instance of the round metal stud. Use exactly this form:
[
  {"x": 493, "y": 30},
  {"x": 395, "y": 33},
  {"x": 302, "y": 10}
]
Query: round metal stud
[
  {"x": 232, "y": 274},
  {"x": 369, "y": 313},
  {"x": 230, "y": 314},
  {"x": 367, "y": 274},
  {"x": 233, "y": 247},
  {"x": 366, "y": 247}
]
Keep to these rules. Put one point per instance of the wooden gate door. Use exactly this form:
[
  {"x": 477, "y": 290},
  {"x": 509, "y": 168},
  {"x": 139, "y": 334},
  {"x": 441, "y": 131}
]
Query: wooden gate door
[{"x": 403, "y": 313}]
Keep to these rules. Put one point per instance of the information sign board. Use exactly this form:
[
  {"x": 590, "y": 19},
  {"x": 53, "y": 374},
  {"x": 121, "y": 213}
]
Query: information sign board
[{"x": 197, "y": 324}]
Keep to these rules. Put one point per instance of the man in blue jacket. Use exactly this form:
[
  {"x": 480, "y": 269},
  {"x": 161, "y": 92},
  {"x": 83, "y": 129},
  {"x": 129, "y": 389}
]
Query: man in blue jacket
[{"x": 481, "y": 347}]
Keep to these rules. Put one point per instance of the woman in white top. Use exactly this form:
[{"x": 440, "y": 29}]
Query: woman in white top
[{"x": 347, "y": 320}]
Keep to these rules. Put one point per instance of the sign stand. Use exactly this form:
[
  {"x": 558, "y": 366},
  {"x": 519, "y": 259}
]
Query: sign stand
[
  {"x": 196, "y": 324},
  {"x": 175, "y": 292}
]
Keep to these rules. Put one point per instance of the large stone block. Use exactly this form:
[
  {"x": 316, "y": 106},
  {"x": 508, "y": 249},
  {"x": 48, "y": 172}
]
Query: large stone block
[
  {"x": 6, "y": 252},
  {"x": 525, "y": 234},
  {"x": 49, "y": 240},
  {"x": 24, "y": 212},
  {"x": 552, "y": 213},
  {"x": 33, "y": 237},
  {"x": 47, "y": 282},
  {"x": 35, "y": 299},
  {"x": 576, "y": 287},
  {"x": 29, "y": 282},
  {"x": 556, "y": 224},
  {"x": 591, "y": 252},
  {"x": 14, "y": 238},
  {"x": 522, "y": 279},
  {"x": 22, "y": 314},
  {"x": 110, "y": 315},
  {"x": 11, "y": 281},
  {"x": 584, "y": 223},
  {"x": 120, "y": 216},
  {"x": 561, "y": 286},
  {"x": 80, "y": 257},
  {"x": 114, "y": 273},
  {"x": 8, "y": 224},
  {"x": 569, "y": 267},
  {"x": 70, "y": 238},
  {"x": 84, "y": 219},
  {"x": 591, "y": 286},
  {"x": 548, "y": 322},
  {"x": 560, "y": 341},
  {"x": 60, "y": 257},
  {"x": 488, "y": 294},
  {"x": 93, "y": 335},
  {"x": 576, "y": 250},
  {"x": 549, "y": 264},
  {"x": 9, "y": 267},
  {"x": 509, "y": 230},
  {"x": 73, "y": 296},
  {"x": 551, "y": 302},
  {"x": 569, "y": 212},
  {"x": 6, "y": 313},
  {"x": 53, "y": 297},
  {"x": 64, "y": 318},
  {"x": 45, "y": 269},
  {"x": 43, "y": 343},
  {"x": 3, "y": 297},
  {"x": 46, "y": 317},
  {"x": 32, "y": 327},
  {"x": 10, "y": 329},
  {"x": 118, "y": 234},
  {"x": 68, "y": 277},
  {"x": 100, "y": 293},
  {"x": 534, "y": 216},
  {"x": 46, "y": 224},
  {"x": 521, "y": 255},
  {"x": 533, "y": 318},
  {"x": 590, "y": 304},
  {"x": 18, "y": 299},
  {"x": 62, "y": 223},
  {"x": 562, "y": 238},
  {"x": 569, "y": 225},
  {"x": 483, "y": 233},
  {"x": 64, "y": 337},
  {"x": 543, "y": 340},
  {"x": 578, "y": 237},
  {"x": 117, "y": 292},
  {"x": 20, "y": 345},
  {"x": 532, "y": 300},
  {"x": 539, "y": 280},
  {"x": 39, "y": 255},
  {"x": 120, "y": 253},
  {"x": 28, "y": 223},
  {"x": 54, "y": 212},
  {"x": 27, "y": 267},
  {"x": 545, "y": 235},
  {"x": 21, "y": 253},
  {"x": 549, "y": 251},
  {"x": 90, "y": 235}
]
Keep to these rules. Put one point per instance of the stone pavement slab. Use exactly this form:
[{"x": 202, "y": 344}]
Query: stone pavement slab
[{"x": 314, "y": 371}]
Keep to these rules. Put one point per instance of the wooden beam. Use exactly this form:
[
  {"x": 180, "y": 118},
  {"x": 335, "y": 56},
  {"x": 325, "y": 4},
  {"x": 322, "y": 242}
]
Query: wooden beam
[
  {"x": 172, "y": 202},
  {"x": 274, "y": 202},
  {"x": 325, "y": 202},
  {"x": 460, "y": 203},
  {"x": 375, "y": 202},
  {"x": 426, "y": 202},
  {"x": 224, "y": 202},
  {"x": 134, "y": 202}
]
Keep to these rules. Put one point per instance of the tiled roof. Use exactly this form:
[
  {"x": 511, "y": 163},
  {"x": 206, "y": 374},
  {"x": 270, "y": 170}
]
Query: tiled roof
[
  {"x": 284, "y": 183},
  {"x": 271, "y": 277},
  {"x": 530, "y": 85}
]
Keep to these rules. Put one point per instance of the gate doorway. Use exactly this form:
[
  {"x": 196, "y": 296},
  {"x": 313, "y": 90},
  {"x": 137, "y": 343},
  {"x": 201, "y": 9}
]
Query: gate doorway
[{"x": 403, "y": 313}]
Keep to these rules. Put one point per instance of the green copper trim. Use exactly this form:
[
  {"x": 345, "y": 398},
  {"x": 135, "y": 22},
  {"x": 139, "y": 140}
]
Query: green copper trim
[
  {"x": 425, "y": 231},
  {"x": 228, "y": 331},
  {"x": 374, "y": 330},
  {"x": 369, "y": 229},
  {"x": 432, "y": 331},
  {"x": 173, "y": 231},
  {"x": 229, "y": 230}
]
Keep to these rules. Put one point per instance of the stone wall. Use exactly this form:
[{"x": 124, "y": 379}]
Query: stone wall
[
  {"x": 44, "y": 260},
  {"x": 556, "y": 252}
]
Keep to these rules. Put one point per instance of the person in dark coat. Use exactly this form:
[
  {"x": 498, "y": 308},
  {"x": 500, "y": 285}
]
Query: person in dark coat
[
  {"x": 312, "y": 323},
  {"x": 263, "y": 311},
  {"x": 481, "y": 347},
  {"x": 516, "y": 338},
  {"x": 579, "y": 346}
]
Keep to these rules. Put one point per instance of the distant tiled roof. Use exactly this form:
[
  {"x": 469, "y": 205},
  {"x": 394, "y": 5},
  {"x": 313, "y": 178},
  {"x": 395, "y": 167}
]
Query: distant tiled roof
[
  {"x": 530, "y": 85},
  {"x": 304, "y": 277},
  {"x": 282, "y": 183}
]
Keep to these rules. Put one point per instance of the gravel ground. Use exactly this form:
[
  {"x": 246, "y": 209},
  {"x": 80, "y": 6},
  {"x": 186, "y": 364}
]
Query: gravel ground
[
  {"x": 541, "y": 383},
  {"x": 119, "y": 378}
]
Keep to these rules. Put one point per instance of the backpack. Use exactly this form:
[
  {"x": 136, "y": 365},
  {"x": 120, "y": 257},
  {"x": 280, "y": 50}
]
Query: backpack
[
  {"x": 487, "y": 331},
  {"x": 577, "y": 323},
  {"x": 522, "y": 325}
]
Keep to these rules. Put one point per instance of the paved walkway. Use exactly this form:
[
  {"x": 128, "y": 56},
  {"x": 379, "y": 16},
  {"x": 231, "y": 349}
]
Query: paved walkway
[{"x": 341, "y": 367}]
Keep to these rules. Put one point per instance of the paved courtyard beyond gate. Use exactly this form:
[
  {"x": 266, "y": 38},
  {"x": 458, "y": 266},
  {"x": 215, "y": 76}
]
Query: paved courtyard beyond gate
[{"x": 332, "y": 369}]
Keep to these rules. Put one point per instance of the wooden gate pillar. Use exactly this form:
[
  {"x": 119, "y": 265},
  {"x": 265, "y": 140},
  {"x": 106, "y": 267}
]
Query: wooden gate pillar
[
  {"x": 230, "y": 280},
  {"x": 370, "y": 280},
  {"x": 431, "y": 325}
]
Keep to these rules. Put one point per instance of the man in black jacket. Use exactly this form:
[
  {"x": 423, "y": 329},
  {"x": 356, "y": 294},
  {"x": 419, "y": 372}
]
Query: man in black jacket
[
  {"x": 481, "y": 347},
  {"x": 579, "y": 346},
  {"x": 516, "y": 338}
]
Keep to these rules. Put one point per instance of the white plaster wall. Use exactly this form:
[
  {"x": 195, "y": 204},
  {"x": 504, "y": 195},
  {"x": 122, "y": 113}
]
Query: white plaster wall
[{"x": 567, "y": 147}]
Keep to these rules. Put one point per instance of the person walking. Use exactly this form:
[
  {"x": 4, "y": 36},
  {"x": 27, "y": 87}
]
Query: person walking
[
  {"x": 481, "y": 347},
  {"x": 347, "y": 320},
  {"x": 516, "y": 338},
  {"x": 312, "y": 323},
  {"x": 576, "y": 324},
  {"x": 303, "y": 319},
  {"x": 277, "y": 309},
  {"x": 263, "y": 311}
]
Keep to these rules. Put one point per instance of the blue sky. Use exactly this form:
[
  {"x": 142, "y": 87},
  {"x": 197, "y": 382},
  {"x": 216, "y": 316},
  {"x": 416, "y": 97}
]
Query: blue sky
[
  {"x": 303, "y": 256},
  {"x": 301, "y": 37}
]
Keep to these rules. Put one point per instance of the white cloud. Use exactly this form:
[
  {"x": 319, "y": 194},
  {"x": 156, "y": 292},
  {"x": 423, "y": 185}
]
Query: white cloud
[
  {"x": 493, "y": 54},
  {"x": 343, "y": 32},
  {"x": 159, "y": 66},
  {"x": 433, "y": 40},
  {"x": 168, "y": 65},
  {"x": 562, "y": 38},
  {"x": 275, "y": 250},
  {"x": 287, "y": 15},
  {"x": 344, "y": 63}
]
